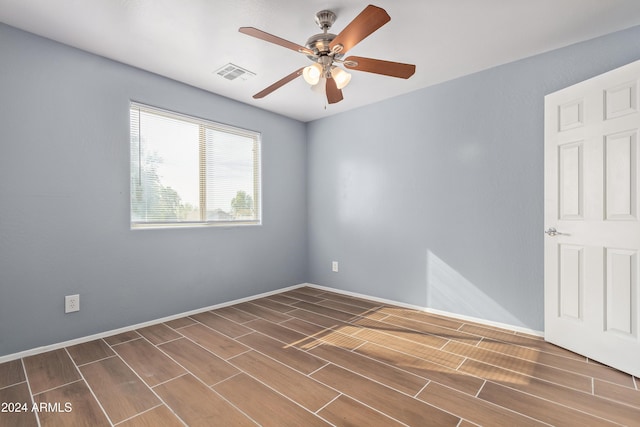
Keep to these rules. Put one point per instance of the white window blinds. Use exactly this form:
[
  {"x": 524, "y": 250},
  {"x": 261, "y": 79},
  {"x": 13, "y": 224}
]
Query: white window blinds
[{"x": 188, "y": 171}]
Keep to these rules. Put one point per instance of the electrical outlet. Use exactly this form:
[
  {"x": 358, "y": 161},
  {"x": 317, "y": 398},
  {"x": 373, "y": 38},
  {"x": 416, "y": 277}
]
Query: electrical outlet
[
  {"x": 334, "y": 266},
  {"x": 71, "y": 303}
]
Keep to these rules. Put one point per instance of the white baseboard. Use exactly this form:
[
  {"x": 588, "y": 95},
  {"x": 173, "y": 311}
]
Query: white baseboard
[
  {"x": 81, "y": 340},
  {"x": 432, "y": 310},
  {"x": 105, "y": 334}
]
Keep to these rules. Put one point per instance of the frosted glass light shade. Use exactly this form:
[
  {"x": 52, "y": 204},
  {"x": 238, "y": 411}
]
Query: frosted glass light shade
[
  {"x": 320, "y": 87},
  {"x": 311, "y": 74},
  {"x": 341, "y": 77}
]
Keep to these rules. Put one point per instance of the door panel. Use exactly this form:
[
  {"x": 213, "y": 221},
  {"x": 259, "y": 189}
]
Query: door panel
[
  {"x": 621, "y": 100},
  {"x": 570, "y": 194},
  {"x": 570, "y": 282},
  {"x": 620, "y": 176},
  {"x": 571, "y": 115},
  {"x": 621, "y": 286}
]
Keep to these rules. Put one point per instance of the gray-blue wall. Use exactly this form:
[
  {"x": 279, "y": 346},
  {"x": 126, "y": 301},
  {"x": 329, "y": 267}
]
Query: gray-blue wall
[
  {"x": 64, "y": 201},
  {"x": 435, "y": 198}
]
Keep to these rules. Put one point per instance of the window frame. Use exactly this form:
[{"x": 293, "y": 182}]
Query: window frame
[{"x": 203, "y": 125}]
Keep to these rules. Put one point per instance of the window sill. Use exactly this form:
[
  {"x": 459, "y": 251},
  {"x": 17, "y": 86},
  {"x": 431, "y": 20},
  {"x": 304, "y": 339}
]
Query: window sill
[{"x": 174, "y": 225}]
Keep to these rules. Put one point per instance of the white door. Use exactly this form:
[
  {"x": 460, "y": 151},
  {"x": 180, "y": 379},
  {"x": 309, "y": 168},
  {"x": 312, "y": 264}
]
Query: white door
[{"x": 592, "y": 232}]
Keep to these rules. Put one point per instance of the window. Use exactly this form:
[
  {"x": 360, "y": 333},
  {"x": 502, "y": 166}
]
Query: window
[{"x": 187, "y": 171}]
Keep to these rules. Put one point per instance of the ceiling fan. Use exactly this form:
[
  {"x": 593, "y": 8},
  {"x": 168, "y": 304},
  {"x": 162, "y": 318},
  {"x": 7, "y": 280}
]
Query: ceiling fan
[{"x": 326, "y": 50}]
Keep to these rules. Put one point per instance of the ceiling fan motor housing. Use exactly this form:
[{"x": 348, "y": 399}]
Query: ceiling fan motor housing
[{"x": 319, "y": 44}]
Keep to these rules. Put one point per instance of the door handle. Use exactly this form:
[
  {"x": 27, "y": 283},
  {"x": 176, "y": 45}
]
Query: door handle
[{"x": 551, "y": 232}]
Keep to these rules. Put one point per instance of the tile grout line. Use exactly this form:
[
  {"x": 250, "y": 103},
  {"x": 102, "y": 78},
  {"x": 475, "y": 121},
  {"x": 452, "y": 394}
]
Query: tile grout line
[
  {"x": 148, "y": 386},
  {"x": 259, "y": 317},
  {"x": 480, "y": 389},
  {"x": 243, "y": 372},
  {"x": 361, "y": 311},
  {"x": 206, "y": 349},
  {"x": 370, "y": 379},
  {"x": 415, "y": 396},
  {"x": 509, "y": 410},
  {"x": 162, "y": 382},
  {"x": 372, "y": 359},
  {"x": 228, "y": 401},
  {"x": 360, "y": 402},
  {"x": 26, "y": 378},
  {"x": 573, "y": 372},
  {"x": 351, "y": 322},
  {"x": 382, "y": 363},
  {"x": 66, "y": 349},
  {"x": 528, "y": 347},
  {"x": 353, "y": 350},
  {"x": 329, "y": 402},
  {"x": 168, "y": 341},
  {"x": 220, "y": 332},
  {"x": 538, "y": 378},
  {"x": 58, "y": 386},
  {"x": 159, "y": 405},
  {"x": 424, "y": 345},
  {"x": 235, "y": 407},
  {"x": 181, "y": 327},
  {"x": 429, "y": 324},
  {"x": 230, "y": 319},
  {"x": 124, "y": 342},
  {"x": 13, "y": 385},
  {"x": 448, "y": 340},
  {"x": 79, "y": 365},
  {"x": 355, "y": 335},
  {"x": 313, "y": 336},
  {"x": 212, "y": 386},
  {"x": 309, "y": 375},
  {"x": 550, "y": 401},
  {"x": 515, "y": 334},
  {"x": 189, "y": 372},
  {"x": 248, "y": 350}
]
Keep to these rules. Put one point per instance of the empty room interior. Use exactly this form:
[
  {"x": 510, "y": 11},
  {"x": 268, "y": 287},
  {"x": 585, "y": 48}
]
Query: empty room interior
[{"x": 319, "y": 213}]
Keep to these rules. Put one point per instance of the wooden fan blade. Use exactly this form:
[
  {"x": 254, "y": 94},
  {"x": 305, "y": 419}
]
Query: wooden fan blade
[
  {"x": 378, "y": 66},
  {"x": 362, "y": 26},
  {"x": 278, "y": 84},
  {"x": 333, "y": 93},
  {"x": 259, "y": 34}
]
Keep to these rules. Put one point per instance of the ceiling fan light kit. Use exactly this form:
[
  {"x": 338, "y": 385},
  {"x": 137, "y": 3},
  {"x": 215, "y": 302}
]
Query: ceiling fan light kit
[
  {"x": 341, "y": 77},
  {"x": 312, "y": 74},
  {"x": 326, "y": 50}
]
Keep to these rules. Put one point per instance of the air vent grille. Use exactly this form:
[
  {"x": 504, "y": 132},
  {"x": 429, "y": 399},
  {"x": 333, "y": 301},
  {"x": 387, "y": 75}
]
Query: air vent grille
[{"x": 233, "y": 72}]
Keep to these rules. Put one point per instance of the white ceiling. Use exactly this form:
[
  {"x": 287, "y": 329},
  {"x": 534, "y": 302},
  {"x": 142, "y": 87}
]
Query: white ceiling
[{"x": 188, "y": 40}]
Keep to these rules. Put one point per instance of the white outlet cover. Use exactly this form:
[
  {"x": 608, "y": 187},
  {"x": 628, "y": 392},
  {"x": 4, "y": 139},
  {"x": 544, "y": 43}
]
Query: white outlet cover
[{"x": 71, "y": 303}]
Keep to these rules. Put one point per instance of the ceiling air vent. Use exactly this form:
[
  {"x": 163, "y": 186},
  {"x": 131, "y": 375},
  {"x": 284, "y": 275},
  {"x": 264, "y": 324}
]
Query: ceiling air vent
[{"x": 233, "y": 72}]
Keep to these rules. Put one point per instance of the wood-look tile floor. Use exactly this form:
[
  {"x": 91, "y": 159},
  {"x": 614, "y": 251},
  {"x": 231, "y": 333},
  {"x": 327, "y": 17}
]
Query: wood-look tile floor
[{"x": 310, "y": 357}]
